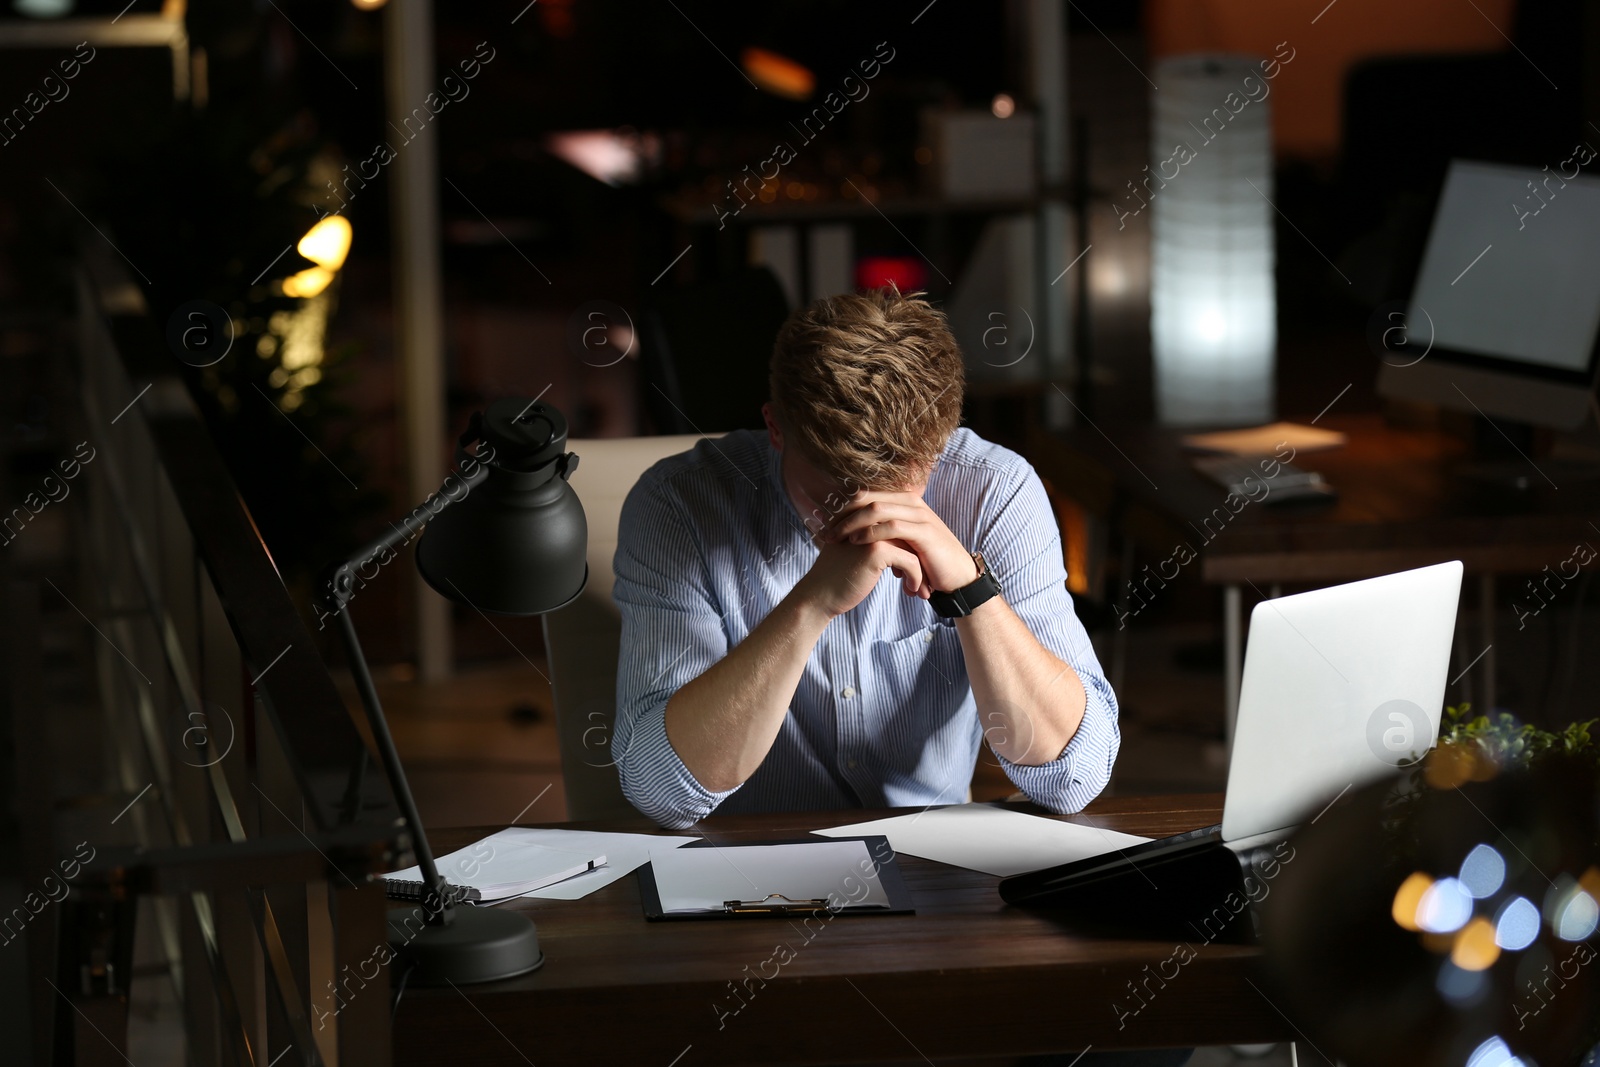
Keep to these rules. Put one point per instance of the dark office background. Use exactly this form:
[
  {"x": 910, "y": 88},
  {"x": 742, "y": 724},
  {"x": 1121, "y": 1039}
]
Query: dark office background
[
  {"x": 203, "y": 196},
  {"x": 200, "y": 198}
]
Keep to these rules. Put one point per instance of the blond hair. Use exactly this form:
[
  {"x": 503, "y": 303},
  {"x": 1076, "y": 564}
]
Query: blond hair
[{"x": 868, "y": 386}]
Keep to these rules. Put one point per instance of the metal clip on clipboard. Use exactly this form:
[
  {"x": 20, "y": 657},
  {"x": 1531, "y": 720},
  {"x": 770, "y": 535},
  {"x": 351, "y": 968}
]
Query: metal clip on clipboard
[{"x": 765, "y": 906}]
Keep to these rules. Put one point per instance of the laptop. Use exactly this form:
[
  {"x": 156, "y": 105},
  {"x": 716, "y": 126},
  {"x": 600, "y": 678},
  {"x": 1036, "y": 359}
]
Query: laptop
[{"x": 1341, "y": 686}]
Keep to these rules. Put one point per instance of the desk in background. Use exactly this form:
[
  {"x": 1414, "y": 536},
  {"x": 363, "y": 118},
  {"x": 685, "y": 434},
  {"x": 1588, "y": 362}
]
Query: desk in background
[
  {"x": 1399, "y": 506},
  {"x": 966, "y": 975}
]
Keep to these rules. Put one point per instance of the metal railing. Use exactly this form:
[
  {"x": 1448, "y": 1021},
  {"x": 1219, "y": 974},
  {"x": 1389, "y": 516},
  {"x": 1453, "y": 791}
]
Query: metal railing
[{"x": 224, "y": 725}]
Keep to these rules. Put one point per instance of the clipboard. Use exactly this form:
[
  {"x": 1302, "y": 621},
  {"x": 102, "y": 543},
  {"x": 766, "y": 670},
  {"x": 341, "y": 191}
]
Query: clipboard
[{"x": 739, "y": 901}]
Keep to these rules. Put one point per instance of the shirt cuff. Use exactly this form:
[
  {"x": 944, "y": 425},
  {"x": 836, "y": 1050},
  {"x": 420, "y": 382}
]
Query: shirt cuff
[
  {"x": 1070, "y": 781},
  {"x": 655, "y": 780}
]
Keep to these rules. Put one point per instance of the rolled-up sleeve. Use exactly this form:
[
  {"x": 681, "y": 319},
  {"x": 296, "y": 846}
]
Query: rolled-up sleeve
[
  {"x": 671, "y": 633},
  {"x": 1023, "y": 547}
]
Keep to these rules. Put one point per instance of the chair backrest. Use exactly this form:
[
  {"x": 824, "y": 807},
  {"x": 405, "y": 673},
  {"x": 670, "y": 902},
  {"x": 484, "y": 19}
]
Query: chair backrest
[{"x": 582, "y": 640}]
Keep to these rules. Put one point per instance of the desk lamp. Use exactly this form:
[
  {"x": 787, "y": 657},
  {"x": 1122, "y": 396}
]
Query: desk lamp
[{"x": 507, "y": 536}]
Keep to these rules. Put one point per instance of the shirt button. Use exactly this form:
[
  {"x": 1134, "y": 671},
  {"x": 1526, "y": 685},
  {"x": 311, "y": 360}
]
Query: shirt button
[
  {"x": 847, "y": 692},
  {"x": 851, "y": 764},
  {"x": 928, "y": 637}
]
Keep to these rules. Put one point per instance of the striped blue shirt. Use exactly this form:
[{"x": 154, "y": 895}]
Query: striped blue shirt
[{"x": 884, "y": 715}]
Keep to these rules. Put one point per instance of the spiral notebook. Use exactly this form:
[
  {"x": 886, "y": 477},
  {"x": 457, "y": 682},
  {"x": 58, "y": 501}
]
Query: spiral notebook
[{"x": 499, "y": 868}]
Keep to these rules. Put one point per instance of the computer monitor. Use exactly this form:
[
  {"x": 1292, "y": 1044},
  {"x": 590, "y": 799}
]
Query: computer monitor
[{"x": 1506, "y": 305}]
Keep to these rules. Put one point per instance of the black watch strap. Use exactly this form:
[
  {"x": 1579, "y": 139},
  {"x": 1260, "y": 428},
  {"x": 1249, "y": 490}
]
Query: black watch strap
[{"x": 959, "y": 603}]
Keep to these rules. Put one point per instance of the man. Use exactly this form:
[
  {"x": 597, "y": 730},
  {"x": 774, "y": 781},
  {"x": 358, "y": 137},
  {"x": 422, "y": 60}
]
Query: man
[{"x": 768, "y": 661}]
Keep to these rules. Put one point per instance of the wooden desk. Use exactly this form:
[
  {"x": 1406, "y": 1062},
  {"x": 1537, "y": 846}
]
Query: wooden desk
[
  {"x": 1400, "y": 505},
  {"x": 966, "y": 975}
]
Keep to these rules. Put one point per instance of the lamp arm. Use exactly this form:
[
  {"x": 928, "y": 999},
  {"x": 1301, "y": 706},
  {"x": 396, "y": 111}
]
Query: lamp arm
[
  {"x": 338, "y": 588},
  {"x": 339, "y": 584},
  {"x": 436, "y": 901}
]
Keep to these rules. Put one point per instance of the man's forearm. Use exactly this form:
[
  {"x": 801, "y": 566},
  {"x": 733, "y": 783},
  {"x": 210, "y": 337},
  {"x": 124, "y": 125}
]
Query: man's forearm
[
  {"x": 1029, "y": 701},
  {"x": 724, "y": 722}
]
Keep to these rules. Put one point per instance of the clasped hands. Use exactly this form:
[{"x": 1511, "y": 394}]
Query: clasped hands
[{"x": 897, "y": 530}]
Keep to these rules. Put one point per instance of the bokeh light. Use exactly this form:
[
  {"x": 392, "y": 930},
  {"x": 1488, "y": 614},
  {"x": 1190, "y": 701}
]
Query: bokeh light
[
  {"x": 308, "y": 282},
  {"x": 1517, "y": 925},
  {"x": 1445, "y": 907},
  {"x": 1483, "y": 872},
  {"x": 1576, "y": 916},
  {"x": 1462, "y": 988},
  {"x": 1493, "y": 1053},
  {"x": 1475, "y": 948},
  {"x": 1408, "y": 898},
  {"x": 327, "y": 243}
]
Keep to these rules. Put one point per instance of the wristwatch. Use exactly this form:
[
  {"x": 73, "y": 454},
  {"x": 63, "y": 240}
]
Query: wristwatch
[{"x": 959, "y": 603}]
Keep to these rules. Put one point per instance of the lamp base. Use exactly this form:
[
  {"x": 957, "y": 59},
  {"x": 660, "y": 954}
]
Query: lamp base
[{"x": 478, "y": 945}]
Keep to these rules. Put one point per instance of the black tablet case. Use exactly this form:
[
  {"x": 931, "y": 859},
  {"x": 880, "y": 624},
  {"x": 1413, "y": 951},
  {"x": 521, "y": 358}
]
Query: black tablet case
[{"x": 1203, "y": 891}]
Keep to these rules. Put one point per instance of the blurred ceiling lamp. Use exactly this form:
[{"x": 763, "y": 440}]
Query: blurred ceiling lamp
[
  {"x": 615, "y": 157},
  {"x": 1002, "y": 106},
  {"x": 327, "y": 243},
  {"x": 905, "y": 273},
  {"x": 1108, "y": 278},
  {"x": 778, "y": 75},
  {"x": 1212, "y": 305},
  {"x": 368, "y": 5},
  {"x": 43, "y": 9},
  {"x": 308, "y": 282}
]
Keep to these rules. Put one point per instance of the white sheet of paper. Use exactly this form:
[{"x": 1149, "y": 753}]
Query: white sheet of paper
[
  {"x": 625, "y": 853},
  {"x": 993, "y": 840},
  {"x": 703, "y": 879},
  {"x": 519, "y": 853}
]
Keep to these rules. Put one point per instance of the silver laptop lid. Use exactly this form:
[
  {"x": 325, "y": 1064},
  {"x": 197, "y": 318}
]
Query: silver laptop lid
[{"x": 1340, "y": 686}]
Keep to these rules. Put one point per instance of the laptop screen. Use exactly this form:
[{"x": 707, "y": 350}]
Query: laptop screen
[{"x": 1341, "y": 686}]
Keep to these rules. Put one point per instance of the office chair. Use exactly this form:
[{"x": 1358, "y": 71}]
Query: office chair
[{"x": 582, "y": 640}]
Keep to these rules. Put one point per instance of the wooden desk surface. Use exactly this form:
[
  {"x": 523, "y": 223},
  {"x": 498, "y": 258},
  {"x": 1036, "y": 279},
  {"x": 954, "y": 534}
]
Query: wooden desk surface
[
  {"x": 966, "y": 975},
  {"x": 1399, "y": 506}
]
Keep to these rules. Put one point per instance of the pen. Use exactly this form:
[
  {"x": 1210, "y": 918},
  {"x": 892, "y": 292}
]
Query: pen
[{"x": 765, "y": 907}]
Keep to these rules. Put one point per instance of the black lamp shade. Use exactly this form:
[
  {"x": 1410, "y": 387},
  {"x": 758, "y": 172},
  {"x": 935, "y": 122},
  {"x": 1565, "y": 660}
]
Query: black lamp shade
[{"x": 516, "y": 542}]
